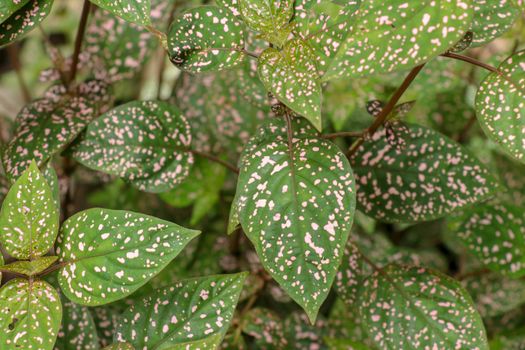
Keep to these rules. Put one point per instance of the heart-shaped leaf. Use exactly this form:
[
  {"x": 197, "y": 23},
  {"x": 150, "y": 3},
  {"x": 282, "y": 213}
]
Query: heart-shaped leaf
[
  {"x": 193, "y": 313},
  {"x": 24, "y": 20},
  {"x": 295, "y": 200},
  {"x": 30, "y": 268},
  {"x": 390, "y": 35},
  {"x": 432, "y": 177},
  {"x": 144, "y": 142},
  {"x": 135, "y": 11},
  {"x": 46, "y": 126},
  {"x": 29, "y": 217},
  {"x": 291, "y": 75},
  {"x": 109, "y": 254},
  {"x": 206, "y": 38},
  {"x": 500, "y": 106},
  {"x": 495, "y": 234},
  {"x": 78, "y": 330},
  {"x": 415, "y": 308},
  {"x": 30, "y": 315},
  {"x": 492, "y": 18},
  {"x": 268, "y": 17}
]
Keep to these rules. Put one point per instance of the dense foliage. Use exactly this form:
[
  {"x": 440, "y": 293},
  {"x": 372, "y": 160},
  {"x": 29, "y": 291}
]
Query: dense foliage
[{"x": 344, "y": 174}]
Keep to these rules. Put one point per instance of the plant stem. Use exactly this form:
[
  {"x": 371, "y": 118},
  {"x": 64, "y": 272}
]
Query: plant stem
[
  {"x": 472, "y": 61},
  {"x": 248, "y": 53},
  {"x": 163, "y": 60},
  {"x": 78, "y": 41},
  {"x": 381, "y": 118},
  {"x": 53, "y": 268},
  {"x": 160, "y": 76},
  {"x": 14, "y": 58},
  {"x": 215, "y": 159},
  {"x": 161, "y": 36},
  {"x": 485, "y": 66}
]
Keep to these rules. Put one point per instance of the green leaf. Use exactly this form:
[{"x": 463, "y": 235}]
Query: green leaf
[
  {"x": 296, "y": 203},
  {"x": 30, "y": 268},
  {"x": 110, "y": 253},
  {"x": 24, "y": 20},
  {"x": 415, "y": 308},
  {"x": 495, "y": 295},
  {"x": 321, "y": 23},
  {"x": 52, "y": 179},
  {"x": 495, "y": 234},
  {"x": 30, "y": 315},
  {"x": 291, "y": 75},
  {"x": 8, "y": 7},
  {"x": 434, "y": 176},
  {"x": 206, "y": 38},
  {"x": 231, "y": 5},
  {"x": 29, "y": 218},
  {"x": 492, "y": 18},
  {"x": 500, "y": 106},
  {"x": 391, "y": 35},
  {"x": 192, "y": 314},
  {"x": 78, "y": 330},
  {"x": 48, "y": 125},
  {"x": 135, "y": 11},
  {"x": 269, "y": 17},
  {"x": 144, "y": 142}
]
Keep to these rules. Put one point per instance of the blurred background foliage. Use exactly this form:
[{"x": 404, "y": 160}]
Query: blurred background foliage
[{"x": 224, "y": 109}]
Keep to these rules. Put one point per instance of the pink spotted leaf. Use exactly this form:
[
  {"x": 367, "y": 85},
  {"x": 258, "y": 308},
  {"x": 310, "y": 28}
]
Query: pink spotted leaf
[
  {"x": 191, "y": 314},
  {"x": 393, "y": 35},
  {"x": 206, "y": 38},
  {"x": 30, "y": 315},
  {"x": 291, "y": 76},
  {"x": 144, "y": 142},
  {"x": 29, "y": 216},
  {"x": 500, "y": 106},
  {"x": 495, "y": 234},
  {"x": 295, "y": 202},
  {"x": 24, "y": 20},
  {"x": 429, "y": 178},
  {"x": 120, "y": 251},
  {"x": 400, "y": 304}
]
